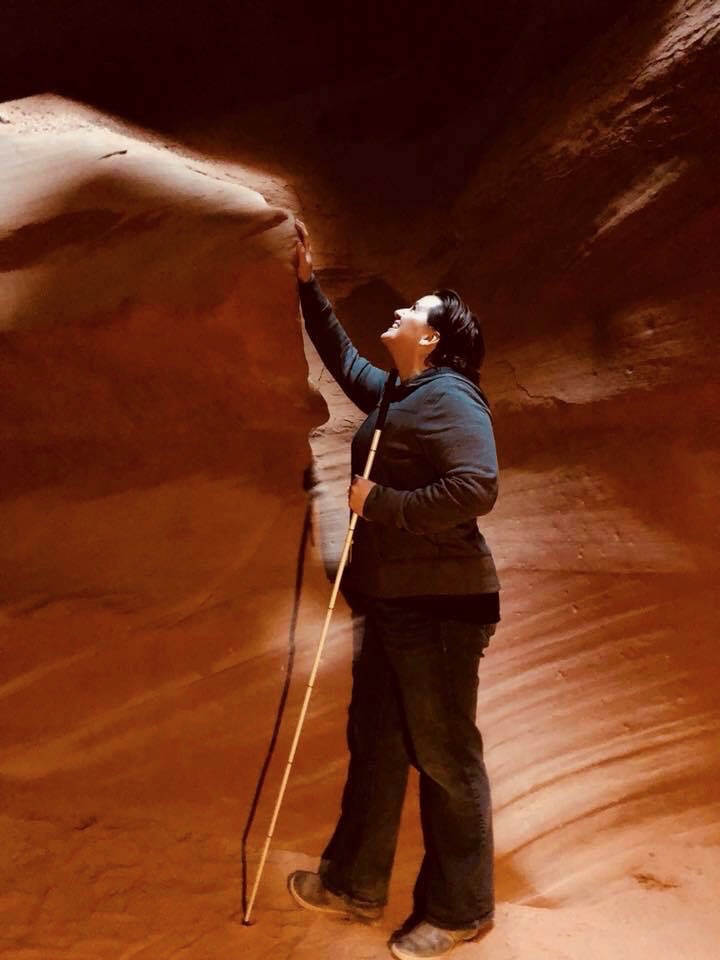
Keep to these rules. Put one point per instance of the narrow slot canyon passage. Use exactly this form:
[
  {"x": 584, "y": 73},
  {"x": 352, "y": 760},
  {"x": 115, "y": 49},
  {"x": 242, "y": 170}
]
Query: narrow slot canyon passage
[{"x": 167, "y": 424}]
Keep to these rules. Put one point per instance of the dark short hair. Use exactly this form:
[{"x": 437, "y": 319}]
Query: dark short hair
[{"x": 461, "y": 345}]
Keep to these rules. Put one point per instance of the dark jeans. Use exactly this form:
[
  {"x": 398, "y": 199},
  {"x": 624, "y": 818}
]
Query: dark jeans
[{"x": 414, "y": 698}]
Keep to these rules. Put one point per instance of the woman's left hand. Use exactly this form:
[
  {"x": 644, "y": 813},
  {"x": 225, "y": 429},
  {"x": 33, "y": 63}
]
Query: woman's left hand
[{"x": 357, "y": 493}]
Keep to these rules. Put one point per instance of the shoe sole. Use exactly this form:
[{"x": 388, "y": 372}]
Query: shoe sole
[{"x": 345, "y": 914}]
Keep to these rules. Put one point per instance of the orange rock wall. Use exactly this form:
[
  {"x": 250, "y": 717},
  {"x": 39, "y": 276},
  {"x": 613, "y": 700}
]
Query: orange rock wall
[{"x": 563, "y": 179}]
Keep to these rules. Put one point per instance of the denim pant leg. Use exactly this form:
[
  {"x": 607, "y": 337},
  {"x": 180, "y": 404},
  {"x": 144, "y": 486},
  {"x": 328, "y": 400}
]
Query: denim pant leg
[
  {"x": 436, "y": 663},
  {"x": 358, "y": 859}
]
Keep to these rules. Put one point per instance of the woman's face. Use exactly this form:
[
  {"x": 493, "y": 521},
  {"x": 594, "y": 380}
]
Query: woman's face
[{"x": 411, "y": 323}]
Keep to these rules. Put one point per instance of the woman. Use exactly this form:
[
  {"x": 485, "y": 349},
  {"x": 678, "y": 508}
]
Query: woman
[{"x": 424, "y": 578}]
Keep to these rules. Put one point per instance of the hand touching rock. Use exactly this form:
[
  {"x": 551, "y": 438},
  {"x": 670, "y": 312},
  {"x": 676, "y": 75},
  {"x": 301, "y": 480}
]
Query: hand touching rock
[{"x": 304, "y": 255}]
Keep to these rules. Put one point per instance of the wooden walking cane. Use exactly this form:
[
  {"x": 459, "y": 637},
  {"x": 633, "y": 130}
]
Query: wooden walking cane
[{"x": 382, "y": 414}]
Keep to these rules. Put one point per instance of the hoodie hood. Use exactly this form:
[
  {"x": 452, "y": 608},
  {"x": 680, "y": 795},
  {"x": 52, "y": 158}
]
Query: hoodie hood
[{"x": 404, "y": 388}]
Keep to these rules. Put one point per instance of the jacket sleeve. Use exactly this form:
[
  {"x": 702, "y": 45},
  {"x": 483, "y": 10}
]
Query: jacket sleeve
[
  {"x": 359, "y": 379},
  {"x": 457, "y": 437}
]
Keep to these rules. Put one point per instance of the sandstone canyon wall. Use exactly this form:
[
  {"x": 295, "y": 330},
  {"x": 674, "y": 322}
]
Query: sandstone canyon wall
[{"x": 156, "y": 417}]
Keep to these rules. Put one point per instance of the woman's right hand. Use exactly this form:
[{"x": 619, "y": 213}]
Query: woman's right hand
[{"x": 304, "y": 256}]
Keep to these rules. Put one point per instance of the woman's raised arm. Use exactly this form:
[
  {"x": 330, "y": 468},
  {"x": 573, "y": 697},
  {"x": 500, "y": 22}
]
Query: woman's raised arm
[{"x": 361, "y": 382}]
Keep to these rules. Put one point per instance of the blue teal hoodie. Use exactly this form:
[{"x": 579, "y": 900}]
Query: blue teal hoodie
[{"x": 435, "y": 471}]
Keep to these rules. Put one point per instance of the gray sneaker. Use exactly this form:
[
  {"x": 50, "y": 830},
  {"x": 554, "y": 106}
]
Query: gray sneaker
[
  {"x": 308, "y": 890},
  {"x": 427, "y": 942}
]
